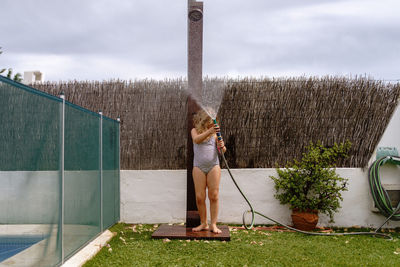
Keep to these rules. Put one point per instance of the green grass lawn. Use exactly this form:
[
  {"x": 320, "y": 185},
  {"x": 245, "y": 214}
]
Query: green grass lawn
[{"x": 133, "y": 246}]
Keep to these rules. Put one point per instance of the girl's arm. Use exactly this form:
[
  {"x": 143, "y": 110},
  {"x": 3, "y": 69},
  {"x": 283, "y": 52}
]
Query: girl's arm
[{"x": 199, "y": 138}]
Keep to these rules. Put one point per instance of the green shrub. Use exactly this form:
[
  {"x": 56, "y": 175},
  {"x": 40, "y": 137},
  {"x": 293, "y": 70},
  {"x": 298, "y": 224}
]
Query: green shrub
[{"x": 312, "y": 183}]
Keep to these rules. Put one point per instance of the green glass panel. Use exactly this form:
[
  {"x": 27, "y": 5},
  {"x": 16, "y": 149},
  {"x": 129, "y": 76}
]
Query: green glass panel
[
  {"x": 30, "y": 175},
  {"x": 82, "y": 178}
]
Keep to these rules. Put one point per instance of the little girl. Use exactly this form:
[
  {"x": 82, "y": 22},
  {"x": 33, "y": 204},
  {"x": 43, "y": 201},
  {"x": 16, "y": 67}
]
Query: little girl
[{"x": 206, "y": 169}]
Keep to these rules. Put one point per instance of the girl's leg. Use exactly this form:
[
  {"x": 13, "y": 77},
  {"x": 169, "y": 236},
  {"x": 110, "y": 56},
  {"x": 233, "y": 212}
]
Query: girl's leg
[
  {"x": 213, "y": 179},
  {"x": 200, "y": 182}
]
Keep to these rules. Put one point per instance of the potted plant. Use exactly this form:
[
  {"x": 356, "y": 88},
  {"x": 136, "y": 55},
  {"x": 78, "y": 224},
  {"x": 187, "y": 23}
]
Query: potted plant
[{"x": 311, "y": 185}]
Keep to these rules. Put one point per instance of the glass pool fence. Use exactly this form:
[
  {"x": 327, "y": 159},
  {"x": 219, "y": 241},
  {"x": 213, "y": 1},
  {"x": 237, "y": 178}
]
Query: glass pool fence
[{"x": 59, "y": 176}]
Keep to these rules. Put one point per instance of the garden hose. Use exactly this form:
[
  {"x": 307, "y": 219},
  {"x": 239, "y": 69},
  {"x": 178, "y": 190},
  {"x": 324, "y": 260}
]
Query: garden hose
[
  {"x": 379, "y": 194},
  {"x": 253, "y": 212}
]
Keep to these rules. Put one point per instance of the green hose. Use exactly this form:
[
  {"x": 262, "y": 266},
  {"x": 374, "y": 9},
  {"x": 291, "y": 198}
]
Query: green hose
[
  {"x": 253, "y": 212},
  {"x": 379, "y": 194}
]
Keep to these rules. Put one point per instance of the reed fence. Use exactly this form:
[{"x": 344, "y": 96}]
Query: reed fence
[{"x": 265, "y": 122}]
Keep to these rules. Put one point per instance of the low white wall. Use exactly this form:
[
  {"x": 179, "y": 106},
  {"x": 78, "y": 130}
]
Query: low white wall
[
  {"x": 159, "y": 196},
  {"x": 156, "y": 196}
]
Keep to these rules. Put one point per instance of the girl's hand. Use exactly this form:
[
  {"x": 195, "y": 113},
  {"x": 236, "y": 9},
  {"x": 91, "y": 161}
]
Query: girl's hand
[
  {"x": 221, "y": 144},
  {"x": 216, "y": 128},
  {"x": 211, "y": 131}
]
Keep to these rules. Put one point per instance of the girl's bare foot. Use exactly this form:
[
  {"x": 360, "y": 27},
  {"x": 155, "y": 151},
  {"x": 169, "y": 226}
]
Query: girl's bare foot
[
  {"x": 215, "y": 229},
  {"x": 201, "y": 227}
]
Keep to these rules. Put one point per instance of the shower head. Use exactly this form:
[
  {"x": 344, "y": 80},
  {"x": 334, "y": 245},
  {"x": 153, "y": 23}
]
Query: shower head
[{"x": 195, "y": 14}]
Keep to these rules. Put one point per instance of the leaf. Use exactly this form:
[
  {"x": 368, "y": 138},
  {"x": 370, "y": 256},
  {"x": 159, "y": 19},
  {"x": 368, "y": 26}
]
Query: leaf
[{"x": 18, "y": 77}]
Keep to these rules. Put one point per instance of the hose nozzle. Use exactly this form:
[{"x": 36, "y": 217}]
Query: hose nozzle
[
  {"x": 219, "y": 137},
  {"x": 218, "y": 133}
]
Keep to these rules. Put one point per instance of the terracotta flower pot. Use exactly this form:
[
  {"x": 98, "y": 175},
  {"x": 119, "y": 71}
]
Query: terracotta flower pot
[{"x": 304, "y": 220}]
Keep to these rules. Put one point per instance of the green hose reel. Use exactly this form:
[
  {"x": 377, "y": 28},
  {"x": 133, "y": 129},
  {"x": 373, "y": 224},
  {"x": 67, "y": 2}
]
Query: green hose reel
[{"x": 379, "y": 194}]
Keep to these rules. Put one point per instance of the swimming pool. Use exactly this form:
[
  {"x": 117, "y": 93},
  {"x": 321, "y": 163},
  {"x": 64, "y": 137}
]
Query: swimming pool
[{"x": 12, "y": 245}]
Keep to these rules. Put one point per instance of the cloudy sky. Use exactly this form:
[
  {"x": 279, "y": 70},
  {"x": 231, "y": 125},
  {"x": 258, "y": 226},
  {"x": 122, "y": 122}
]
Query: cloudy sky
[{"x": 129, "y": 39}]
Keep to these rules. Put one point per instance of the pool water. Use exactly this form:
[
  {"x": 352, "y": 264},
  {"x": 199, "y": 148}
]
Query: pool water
[{"x": 12, "y": 245}]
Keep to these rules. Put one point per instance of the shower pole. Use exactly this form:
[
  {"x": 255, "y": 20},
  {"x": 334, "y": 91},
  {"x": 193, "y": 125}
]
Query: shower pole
[{"x": 195, "y": 84}]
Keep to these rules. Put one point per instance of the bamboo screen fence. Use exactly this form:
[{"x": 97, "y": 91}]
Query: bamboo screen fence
[{"x": 265, "y": 122}]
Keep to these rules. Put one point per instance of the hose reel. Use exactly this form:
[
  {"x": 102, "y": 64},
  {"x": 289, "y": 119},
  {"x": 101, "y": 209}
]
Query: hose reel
[{"x": 379, "y": 194}]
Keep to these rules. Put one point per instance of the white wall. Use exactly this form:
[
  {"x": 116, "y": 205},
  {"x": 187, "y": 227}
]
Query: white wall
[
  {"x": 159, "y": 196},
  {"x": 153, "y": 196},
  {"x": 390, "y": 137}
]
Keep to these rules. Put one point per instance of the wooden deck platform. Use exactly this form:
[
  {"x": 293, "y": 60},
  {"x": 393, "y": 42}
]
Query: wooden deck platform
[{"x": 183, "y": 232}]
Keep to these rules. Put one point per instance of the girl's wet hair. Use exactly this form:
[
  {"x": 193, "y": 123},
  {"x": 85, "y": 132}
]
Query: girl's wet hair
[{"x": 201, "y": 121}]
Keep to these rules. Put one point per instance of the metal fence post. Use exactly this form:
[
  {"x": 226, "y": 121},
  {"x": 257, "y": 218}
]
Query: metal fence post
[
  {"x": 62, "y": 159},
  {"x": 101, "y": 170},
  {"x": 119, "y": 168}
]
